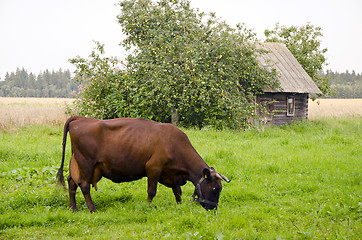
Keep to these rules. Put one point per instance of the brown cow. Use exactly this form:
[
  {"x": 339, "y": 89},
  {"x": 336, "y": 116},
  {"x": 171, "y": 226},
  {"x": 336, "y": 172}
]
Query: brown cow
[{"x": 127, "y": 149}]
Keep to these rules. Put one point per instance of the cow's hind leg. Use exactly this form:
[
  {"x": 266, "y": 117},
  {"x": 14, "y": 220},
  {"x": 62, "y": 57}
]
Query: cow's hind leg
[
  {"x": 85, "y": 187},
  {"x": 72, "y": 186},
  {"x": 77, "y": 180},
  {"x": 177, "y": 192}
]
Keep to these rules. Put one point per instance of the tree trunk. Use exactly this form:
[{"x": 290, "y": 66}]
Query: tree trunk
[{"x": 174, "y": 116}]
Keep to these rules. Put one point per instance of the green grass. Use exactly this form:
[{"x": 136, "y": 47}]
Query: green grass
[{"x": 302, "y": 181}]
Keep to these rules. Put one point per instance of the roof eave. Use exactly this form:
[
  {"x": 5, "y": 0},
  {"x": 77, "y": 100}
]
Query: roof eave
[{"x": 292, "y": 77}]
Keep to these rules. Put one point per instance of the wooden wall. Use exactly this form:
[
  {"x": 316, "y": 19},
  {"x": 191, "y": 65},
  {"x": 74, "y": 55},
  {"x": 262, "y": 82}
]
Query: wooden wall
[{"x": 276, "y": 104}]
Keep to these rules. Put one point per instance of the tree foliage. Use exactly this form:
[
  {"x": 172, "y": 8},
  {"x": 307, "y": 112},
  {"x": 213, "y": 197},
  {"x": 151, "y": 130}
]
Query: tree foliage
[
  {"x": 45, "y": 84},
  {"x": 105, "y": 90},
  {"x": 182, "y": 63},
  {"x": 345, "y": 84},
  {"x": 305, "y": 44}
]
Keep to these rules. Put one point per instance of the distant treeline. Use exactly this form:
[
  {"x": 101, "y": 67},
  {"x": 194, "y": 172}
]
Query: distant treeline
[
  {"x": 59, "y": 84},
  {"x": 45, "y": 84},
  {"x": 346, "y": 85}
]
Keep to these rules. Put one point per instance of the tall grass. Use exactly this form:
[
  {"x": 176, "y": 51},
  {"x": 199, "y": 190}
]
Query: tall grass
[
  {"x": 339, "y": 108},
  {"x": 301, "y": 181},
  {"x": 17, "y": 112}
]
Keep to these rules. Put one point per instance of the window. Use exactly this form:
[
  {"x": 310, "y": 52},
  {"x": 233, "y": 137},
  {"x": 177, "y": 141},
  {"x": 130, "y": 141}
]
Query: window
[{"x": 290, "y": 106}]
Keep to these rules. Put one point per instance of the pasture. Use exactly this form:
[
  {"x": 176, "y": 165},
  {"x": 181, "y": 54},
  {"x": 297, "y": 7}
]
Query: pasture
[
  {"x": 17, "y": 112},
  {"x": 302, "y": 181},
  {"x": 335, "y": 108}
]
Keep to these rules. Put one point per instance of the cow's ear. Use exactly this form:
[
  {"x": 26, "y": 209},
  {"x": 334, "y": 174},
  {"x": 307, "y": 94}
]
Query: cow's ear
[{"x": 207, "y": 173}]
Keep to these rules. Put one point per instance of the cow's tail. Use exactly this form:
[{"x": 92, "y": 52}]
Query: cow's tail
[{"x": 60, "y": 177}]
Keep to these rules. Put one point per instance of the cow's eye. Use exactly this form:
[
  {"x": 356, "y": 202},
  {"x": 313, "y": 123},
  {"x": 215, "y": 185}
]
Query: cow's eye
[{"x": 214, "y": 190}]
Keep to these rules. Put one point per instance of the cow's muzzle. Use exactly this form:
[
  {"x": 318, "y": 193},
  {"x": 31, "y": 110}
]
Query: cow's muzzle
[{"x": 199, "y": 197}]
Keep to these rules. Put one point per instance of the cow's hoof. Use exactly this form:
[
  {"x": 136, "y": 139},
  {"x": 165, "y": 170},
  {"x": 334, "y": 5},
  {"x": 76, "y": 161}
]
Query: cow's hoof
[{"x": 75, "y": 209}]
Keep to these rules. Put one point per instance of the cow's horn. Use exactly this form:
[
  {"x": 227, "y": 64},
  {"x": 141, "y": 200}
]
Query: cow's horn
[
  {"x": 222, "y": 177},
  {"x": 218, "y": 176}
]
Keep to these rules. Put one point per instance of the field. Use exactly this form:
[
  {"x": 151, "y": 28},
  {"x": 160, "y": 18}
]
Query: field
[
  {"x": 302, "y": 181},
  {"x": 335, "y": 108},
  {"x": 16, "y": 112}
]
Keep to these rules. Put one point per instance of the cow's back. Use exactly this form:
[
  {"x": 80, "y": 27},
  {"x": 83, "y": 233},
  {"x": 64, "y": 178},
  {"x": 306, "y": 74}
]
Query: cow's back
[{"x": 122, "y": 147}]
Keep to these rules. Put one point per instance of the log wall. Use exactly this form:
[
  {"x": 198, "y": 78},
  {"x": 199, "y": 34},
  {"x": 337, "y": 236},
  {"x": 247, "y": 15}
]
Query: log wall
[{"x": 276, "y": 104}]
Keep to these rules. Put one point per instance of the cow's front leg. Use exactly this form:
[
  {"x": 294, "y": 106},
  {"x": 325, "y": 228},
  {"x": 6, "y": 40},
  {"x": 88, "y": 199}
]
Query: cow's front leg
[
  {"x": 177, "y": 192},
  {"x": 153, "y": 175},
  {"x": 72, "y": 186},
  {"x": 85, "y": 187},
  {"x": 151, "y": 188}
]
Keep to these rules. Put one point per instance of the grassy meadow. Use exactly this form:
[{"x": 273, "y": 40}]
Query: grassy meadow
[
  {"x": 335, "y": 108},
  {"x": 301, "y": 181},
  {"x": 17, "y": 112}
]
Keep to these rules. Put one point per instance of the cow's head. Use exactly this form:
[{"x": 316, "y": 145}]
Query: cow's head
[{"x": 207, "y": 190}]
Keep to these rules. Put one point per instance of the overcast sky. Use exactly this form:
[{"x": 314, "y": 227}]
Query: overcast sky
[{"x": 44, "y": 34}]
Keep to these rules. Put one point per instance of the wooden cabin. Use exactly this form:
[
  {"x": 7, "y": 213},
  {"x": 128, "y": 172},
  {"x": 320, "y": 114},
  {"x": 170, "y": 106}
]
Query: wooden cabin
[{"x": 290, "y": 102}]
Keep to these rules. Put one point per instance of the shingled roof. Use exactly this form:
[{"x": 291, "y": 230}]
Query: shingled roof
[{"x": 292, "y": 77}]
